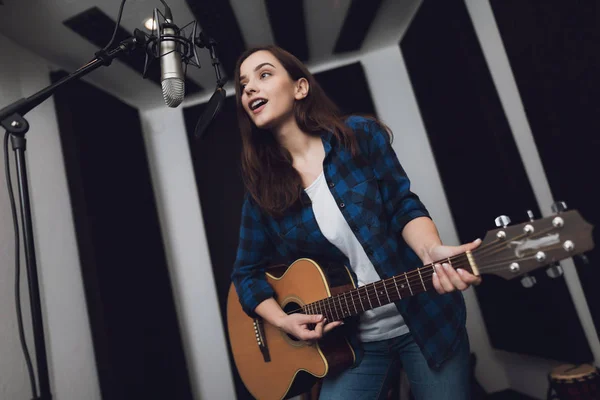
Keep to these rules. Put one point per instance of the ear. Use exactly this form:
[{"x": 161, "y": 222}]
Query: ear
[{"x": 301, "y": 88}]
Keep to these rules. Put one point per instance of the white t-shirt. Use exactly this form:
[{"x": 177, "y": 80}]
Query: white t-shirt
[{"x": 380, "y": 323}]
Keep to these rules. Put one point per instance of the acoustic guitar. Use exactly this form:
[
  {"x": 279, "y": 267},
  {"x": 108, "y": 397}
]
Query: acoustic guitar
[{"x": 275, "y": 365}]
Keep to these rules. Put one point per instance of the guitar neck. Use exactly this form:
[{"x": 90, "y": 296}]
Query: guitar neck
[
  {"x": 382, "y": 292},
  {"x": 508, "y": 252}
]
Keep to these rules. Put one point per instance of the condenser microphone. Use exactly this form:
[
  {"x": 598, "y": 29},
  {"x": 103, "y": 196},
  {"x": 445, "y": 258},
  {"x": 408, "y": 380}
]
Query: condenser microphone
[{"x": 171, "y": 71}]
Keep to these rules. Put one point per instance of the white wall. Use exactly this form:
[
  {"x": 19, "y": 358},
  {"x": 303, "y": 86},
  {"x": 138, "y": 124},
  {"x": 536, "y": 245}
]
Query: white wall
[
  {"x": 188, "y": 258},
  {"x": 68, "y": 340}
]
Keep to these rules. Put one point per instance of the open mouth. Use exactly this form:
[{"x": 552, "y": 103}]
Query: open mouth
[{"x": 256, "y": 104}]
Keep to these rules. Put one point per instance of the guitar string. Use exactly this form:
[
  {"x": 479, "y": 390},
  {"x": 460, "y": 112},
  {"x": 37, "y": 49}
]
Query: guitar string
[
  {"x": 369, "y": 296},
  {"x": 426, "y": 278},
  {"x": 490, "y": 267},
  {"x": 410, "y": 276},
  {"x": 391, "y": 284},
  {"x": 373, "y": 294}
]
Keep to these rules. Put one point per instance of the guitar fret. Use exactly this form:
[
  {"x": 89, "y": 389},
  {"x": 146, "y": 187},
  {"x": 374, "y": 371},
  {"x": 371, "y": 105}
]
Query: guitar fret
[
  {"x": 341, "y": 306},
  {"x": 353, "y": 302},
  {"x": 386, "y": 292},
  {"x": 376, "y": 293},
  {"x": 346, "y": 300},
  {"x": 336, "y": 310},
  {"x": 368, "y": 298},
  {"x": 326, "y": 314},
  {"x": 395, "y": 284},
  {"x": 360, "y": 299},
  {"x": 408, "y": 283},
  {"x": 330, "y": 310},
  {"x": 422, "y": 283}
]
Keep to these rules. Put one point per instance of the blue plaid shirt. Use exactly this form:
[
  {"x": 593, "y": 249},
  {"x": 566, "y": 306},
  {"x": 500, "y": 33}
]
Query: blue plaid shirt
[{"x": 373, "y": 193}]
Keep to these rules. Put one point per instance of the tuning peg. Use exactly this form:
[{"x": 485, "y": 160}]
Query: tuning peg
[
  {"x": 554, "y": 271},
  {"x": 502, "y": 221},
  {"x": 558, "y": 207},
  {"x": 530, "y": 215},
  {"x": 528, "y": 281}
]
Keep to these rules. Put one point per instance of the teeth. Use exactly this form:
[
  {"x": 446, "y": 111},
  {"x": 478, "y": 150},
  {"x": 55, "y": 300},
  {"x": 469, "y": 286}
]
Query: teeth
[{"x": 257, "y": 103}]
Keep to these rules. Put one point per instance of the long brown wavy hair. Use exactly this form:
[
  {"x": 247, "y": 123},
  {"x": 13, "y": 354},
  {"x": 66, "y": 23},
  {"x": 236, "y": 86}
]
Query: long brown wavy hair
[{"x": 267, "y": 168}]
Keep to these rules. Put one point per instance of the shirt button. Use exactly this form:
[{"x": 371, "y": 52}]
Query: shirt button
[
  {"x": 342, "y": 205},
  {"x": 331, "y": 184}
]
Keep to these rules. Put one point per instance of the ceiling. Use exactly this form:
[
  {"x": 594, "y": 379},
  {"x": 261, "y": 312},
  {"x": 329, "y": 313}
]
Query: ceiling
[{"x": 68, "y": 33}]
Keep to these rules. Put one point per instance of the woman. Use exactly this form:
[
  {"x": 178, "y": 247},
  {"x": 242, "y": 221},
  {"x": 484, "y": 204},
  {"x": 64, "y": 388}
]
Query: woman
[{"x": 321, "y": 186}]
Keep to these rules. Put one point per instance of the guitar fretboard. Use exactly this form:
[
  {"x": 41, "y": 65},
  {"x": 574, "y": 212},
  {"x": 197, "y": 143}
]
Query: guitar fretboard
[{"x": 380, "y": 293}]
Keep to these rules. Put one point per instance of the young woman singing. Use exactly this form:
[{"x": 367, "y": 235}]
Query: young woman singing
[{"x": 331, "y": 187}]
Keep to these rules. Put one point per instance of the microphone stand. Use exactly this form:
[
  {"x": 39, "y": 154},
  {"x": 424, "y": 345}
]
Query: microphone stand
[
  {"x": 204, "y": 40},
  {"x": 11, "y": 118}
]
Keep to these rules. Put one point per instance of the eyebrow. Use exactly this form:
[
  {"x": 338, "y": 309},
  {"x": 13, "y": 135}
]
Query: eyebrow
[{"x": 259, "y": 66}]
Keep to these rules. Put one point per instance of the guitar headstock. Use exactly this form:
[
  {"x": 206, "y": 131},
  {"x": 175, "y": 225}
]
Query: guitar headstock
[{"x": 512, "y": 251}]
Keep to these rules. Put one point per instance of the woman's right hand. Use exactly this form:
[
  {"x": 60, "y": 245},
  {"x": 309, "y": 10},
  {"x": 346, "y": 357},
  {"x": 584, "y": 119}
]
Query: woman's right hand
[{"x": 297, "y": 325}]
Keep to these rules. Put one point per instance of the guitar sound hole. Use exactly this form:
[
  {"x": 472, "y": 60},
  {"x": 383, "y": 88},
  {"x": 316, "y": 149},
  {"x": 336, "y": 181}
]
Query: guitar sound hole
[{"x": 292, "y": 308}]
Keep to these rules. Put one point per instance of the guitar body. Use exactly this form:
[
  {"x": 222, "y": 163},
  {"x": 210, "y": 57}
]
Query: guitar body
[{"x": 272, "y": 364}]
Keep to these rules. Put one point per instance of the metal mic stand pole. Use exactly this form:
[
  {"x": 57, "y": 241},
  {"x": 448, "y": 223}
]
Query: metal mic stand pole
[
  {"x": 204, "y": 40},
  {"x": 11, "y": 118}
]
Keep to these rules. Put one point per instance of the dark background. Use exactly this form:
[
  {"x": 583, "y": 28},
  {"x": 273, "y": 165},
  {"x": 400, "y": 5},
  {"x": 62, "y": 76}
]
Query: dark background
[{"x": 470, "y": 137}]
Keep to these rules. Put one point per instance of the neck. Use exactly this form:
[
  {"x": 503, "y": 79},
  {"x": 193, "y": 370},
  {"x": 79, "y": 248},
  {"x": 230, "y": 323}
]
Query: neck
[{"x": 293, "y": 139}]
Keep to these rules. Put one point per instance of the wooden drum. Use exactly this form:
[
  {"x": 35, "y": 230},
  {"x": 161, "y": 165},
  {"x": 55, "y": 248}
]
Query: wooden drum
[{"x": 574, "y": 382}]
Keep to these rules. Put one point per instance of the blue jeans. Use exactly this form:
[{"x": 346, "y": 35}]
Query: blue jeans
[{"x": 380, "y": 368}]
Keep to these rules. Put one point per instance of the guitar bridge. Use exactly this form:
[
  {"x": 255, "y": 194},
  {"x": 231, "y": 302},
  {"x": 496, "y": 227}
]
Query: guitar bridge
[{"x": 261, "y": 339}]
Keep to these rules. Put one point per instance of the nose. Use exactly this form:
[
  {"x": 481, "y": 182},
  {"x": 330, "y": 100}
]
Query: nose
[{"x": 249, "y": 89}]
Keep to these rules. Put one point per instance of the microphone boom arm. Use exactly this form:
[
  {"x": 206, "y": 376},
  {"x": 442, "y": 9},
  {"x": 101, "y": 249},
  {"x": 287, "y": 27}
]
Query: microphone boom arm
[{"x": 23, "y": 106}]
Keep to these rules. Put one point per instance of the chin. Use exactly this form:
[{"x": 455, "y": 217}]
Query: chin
[{"x": 263, "y": 122}]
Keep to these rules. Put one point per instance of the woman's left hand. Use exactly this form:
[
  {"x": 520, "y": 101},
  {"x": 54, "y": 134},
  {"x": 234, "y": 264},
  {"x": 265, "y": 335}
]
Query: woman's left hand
[{"x": 446, "y": 279}]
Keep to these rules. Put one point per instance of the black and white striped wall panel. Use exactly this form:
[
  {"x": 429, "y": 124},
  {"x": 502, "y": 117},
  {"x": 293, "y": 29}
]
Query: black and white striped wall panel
[
  {"x": 484, "y": 176},
  {"x": 128, "y": 293},
  {"x": 552, "y": 48}
]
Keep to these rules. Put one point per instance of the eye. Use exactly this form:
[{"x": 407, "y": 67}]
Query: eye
[{"x": 264, "y": 74}]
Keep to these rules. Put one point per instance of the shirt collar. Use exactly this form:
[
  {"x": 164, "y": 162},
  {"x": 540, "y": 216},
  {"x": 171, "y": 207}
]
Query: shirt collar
[{"x": 327, "y": 137}]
